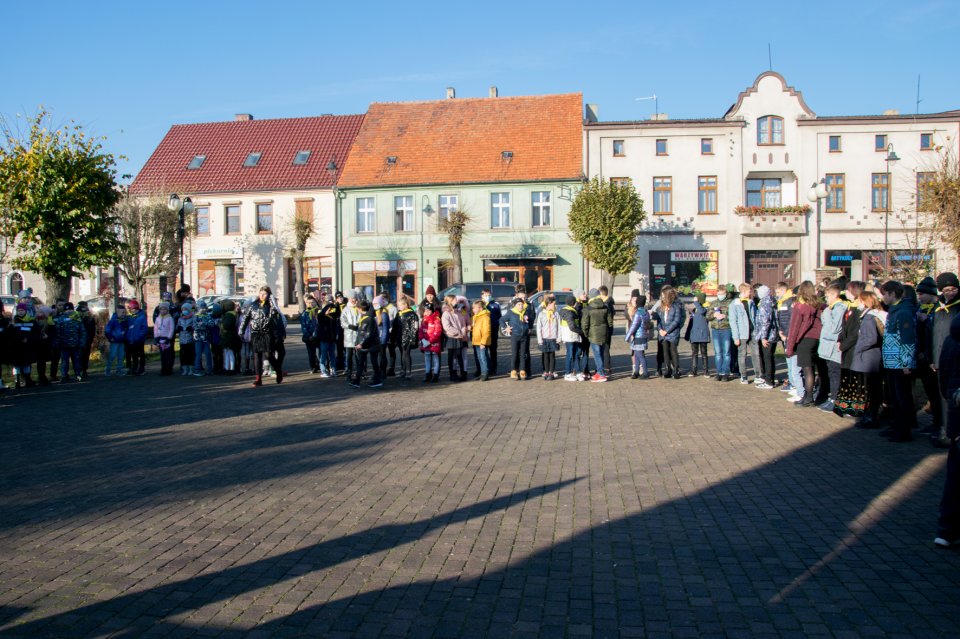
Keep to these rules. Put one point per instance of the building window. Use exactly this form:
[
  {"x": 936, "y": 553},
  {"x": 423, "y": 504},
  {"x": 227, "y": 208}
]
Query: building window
[
  {"x": 620, "y": 181},
  {"x": 926, "y": 141},
  {"x": 265, "y": 217},
  {"x": 253, "y": 159},
  {"x": 618, "y": 148},
  {"x": 196, "y": 162},
  {"x": 540, "y": 201},
  {"x": 835, "y": 144},
  {"x": 923, "y": 181},
  {"x": 880, "y": 194},
  {"x": 661, "y": 147},
  {"x": 232, "y": 219},
  {"x": 707, "y": 194},
  {"x": 366, "y": 215},
  {"x": 301, "y": 158},
  {"x": 880, "y": 142},
  {"x": 403, "y": 207},
  {"x": 447, "y": 204},
  {"x": 662, "y": 195},
  {"x": 203, "y": 220},
  {"x": 764, "y": 193},
  {"x": 499, "y": 210},
  {"x": 770, "y": 130},
  {"x": 706, "y": 146},
  {"x": 836, "y": 192}
]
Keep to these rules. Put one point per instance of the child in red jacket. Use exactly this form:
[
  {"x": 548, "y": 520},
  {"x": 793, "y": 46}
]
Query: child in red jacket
[{"x": 431, "y": 332}]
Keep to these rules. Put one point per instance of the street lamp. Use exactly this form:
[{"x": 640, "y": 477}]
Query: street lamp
[
  {"x": 891, "y": 157},
  {"x": 818, "y": 193},
  {"x": 425, "y": 210},
  {"x": 183, "y": 208}
]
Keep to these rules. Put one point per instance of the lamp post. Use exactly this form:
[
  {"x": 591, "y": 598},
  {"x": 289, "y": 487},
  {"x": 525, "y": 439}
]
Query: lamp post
[
  {"x": 818, "y": 193},
  {"x": 891, "y": 157},
  {"x": 337, "y": 242},
  {"x": 183, "y": 208},
  {"x": 425, "y": 210}
]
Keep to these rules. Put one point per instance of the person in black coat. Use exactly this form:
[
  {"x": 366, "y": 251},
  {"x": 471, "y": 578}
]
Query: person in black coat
[
  {"x": 948, "y": 524},
  {"x": 266, "y": 334}
]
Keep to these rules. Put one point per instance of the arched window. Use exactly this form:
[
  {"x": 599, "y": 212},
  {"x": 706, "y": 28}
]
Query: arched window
[
  {"x": 16, "y": 283},
  {"x": 770, "y": 130}
]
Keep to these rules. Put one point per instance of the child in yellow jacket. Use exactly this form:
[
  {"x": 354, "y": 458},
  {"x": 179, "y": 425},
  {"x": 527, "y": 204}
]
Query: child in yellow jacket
[{"x": 481, "y": 338}]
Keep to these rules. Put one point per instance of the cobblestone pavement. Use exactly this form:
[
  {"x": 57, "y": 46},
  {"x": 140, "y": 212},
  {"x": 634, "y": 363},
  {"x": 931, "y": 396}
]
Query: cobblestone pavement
[{"x": 141, "y": 507}]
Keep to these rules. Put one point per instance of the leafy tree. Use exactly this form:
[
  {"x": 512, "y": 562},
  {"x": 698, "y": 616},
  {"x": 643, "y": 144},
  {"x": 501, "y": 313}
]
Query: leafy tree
[
  {"x": 148, "y": 244},
  {"x": 302, "y": 228},
  {"x": 604, "y": 219},
  {"x": 58, "y": 188},
  {"x": 455, "y": 226}
]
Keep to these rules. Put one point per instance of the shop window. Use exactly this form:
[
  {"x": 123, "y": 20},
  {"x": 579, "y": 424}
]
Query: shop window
[
  {"x": 386, "y": 276},
  {"x": 688, "y": 271}
]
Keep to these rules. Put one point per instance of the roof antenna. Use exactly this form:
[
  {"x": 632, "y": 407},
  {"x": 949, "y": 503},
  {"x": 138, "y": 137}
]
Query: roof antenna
[
  {"x": 770, "y": 56},
  {"x": 918, "y": 95},
  {"x": 656, "y": 104}
]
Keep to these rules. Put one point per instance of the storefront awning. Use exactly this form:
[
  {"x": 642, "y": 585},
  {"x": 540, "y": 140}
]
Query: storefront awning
[{"x": 519, "y": 256}]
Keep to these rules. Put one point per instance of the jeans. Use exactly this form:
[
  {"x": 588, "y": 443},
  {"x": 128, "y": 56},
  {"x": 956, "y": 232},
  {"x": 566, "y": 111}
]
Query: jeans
[
  {"x": 68, "y": 355},
  {"x": 721, "y": 350},
  {"x": 481, "y": 354},
  {"x": 114, "y": 355},
  {"x": 597, "y": 350},
  {"x": 793, "y": 374},
  {"x": 573, "y": 358},
  {"x": 201, "y": 349},
  {"x": 431, "y": 363},
  {"x": 328, "y": 354},
  {"x": 640, "y": 361}
]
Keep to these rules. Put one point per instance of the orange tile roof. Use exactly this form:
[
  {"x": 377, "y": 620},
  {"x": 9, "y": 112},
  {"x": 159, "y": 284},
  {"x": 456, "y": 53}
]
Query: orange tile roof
[
  {"x": 460, "y": 141},
  {"x": 227, "y": 145}
]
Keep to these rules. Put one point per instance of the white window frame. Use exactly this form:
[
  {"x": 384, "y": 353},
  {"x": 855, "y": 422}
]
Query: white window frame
[
  {"x": 541, "y": 208},
  {"x": 445, "y": 205},
  {"x": 403, "y": 213},
  {"x": 500, "y": 210},
  {"x": 366, "y": 215}
]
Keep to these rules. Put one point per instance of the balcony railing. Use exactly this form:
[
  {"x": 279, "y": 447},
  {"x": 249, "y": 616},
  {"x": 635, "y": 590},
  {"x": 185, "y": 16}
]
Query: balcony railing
[{"x": 772, "y": 211}]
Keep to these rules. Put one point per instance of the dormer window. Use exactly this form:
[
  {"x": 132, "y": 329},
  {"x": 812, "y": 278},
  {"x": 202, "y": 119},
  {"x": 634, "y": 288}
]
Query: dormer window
[
  {"x": 253, "y": 159},
  {"x": 301, "y": 158},
  {"x": 770, "y": 130},
  {"x": 196, "y": 162}
]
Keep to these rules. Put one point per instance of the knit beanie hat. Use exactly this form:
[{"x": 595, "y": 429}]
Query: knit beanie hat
[
  {"x": 635, "y": 293},
  {"x": 186, "y": 309},
  {"x": 947, "y": 279},
  {"x": 927, "y": 285},
  {"x": 593, "y": 293},
  {"x": 430, "y": 290}
]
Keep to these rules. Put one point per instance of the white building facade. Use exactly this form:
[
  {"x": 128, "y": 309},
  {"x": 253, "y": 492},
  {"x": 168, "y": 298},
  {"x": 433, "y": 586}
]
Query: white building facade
[{"x": 727, "y": 198}]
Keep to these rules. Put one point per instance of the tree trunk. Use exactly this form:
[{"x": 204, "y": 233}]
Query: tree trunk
[
  {"x": 298, "y": 267},
  {"x": 457, "y": 260},
  {"x": 607, "y": 280},
  {"x": 57, "y": 288}
]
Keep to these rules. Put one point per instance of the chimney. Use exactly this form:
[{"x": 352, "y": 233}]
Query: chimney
[
  {"x": 593, "y": 113},
  {"x": 494, "y": 92},
  {"x": 451, "y": 93},
  {"x": 659, "y": 116},
  {"x": 892, "y": 112},
  {"x": 243, "y": 117}
]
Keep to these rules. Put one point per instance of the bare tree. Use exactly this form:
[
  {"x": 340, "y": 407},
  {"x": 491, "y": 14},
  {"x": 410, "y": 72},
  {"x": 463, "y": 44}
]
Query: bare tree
[
  {"x": 301, "y": 227},
  {"x": 939, "y": 194},
  {"x": 455, "y": 225},
  {"x": 147, "y": 231}
]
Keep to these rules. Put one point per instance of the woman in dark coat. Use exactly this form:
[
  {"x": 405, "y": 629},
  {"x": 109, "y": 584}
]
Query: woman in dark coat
[
  {"x": 866, "y": 366},
  {"x": 266, "y": 334},
  {"x": 698, "y": 333},
  {"x": 669, "y": 322}
]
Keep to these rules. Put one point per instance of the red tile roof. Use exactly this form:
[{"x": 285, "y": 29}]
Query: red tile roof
[
  {"x": 460, "y": 141},
  {"x": 227, "y": 145}
]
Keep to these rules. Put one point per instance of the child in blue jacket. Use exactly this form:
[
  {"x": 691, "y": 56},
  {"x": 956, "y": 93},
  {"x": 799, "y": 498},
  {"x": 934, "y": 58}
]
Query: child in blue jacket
[
  {"x": 136, "y": 338},
  {"x": 116, "y": 333}
]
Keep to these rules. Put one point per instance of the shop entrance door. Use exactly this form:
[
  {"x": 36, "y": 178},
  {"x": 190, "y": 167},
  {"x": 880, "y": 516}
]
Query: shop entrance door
[{"x": 770, "y": 267}]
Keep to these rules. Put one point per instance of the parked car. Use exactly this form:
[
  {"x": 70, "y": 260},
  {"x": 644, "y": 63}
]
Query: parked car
[{"x": 502, "y": 292}]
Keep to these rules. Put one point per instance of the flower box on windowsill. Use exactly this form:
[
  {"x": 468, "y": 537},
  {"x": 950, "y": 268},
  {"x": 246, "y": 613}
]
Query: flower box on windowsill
[{"x": 753, "y": 211}]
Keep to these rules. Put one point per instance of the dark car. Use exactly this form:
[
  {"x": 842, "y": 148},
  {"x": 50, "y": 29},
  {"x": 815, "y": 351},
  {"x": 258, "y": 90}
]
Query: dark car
[{"x": 502, "y": 292}]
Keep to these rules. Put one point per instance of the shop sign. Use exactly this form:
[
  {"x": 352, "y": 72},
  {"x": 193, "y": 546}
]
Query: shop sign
[
  {"x": 363, "y": 267},
  {"x": 218, "y": 252},
  {"x": 694, "y": 256}
]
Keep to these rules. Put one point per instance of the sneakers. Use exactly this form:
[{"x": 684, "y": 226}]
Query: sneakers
[
  {"x": 744, "y": 380},
  {"x": 581, "y": 377},
  {"x": 826, "y": 407},
  {"x": 764, "y": 386},
  {"x": 376, "y": 384},
  {"x": 940, "y": 542},
  {"x": 325, "y": 375},
  {"x": 636, "y": 375},
  {"x": 597, "y": 377},
  {"x": 513, "y": 375},
  {"x": 571, "y": 377},
  {"x": 523, "y": 374}
]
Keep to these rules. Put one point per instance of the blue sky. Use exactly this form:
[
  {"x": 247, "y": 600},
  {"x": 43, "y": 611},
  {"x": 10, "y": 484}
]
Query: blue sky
[{"x": 129, "y": 70}]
